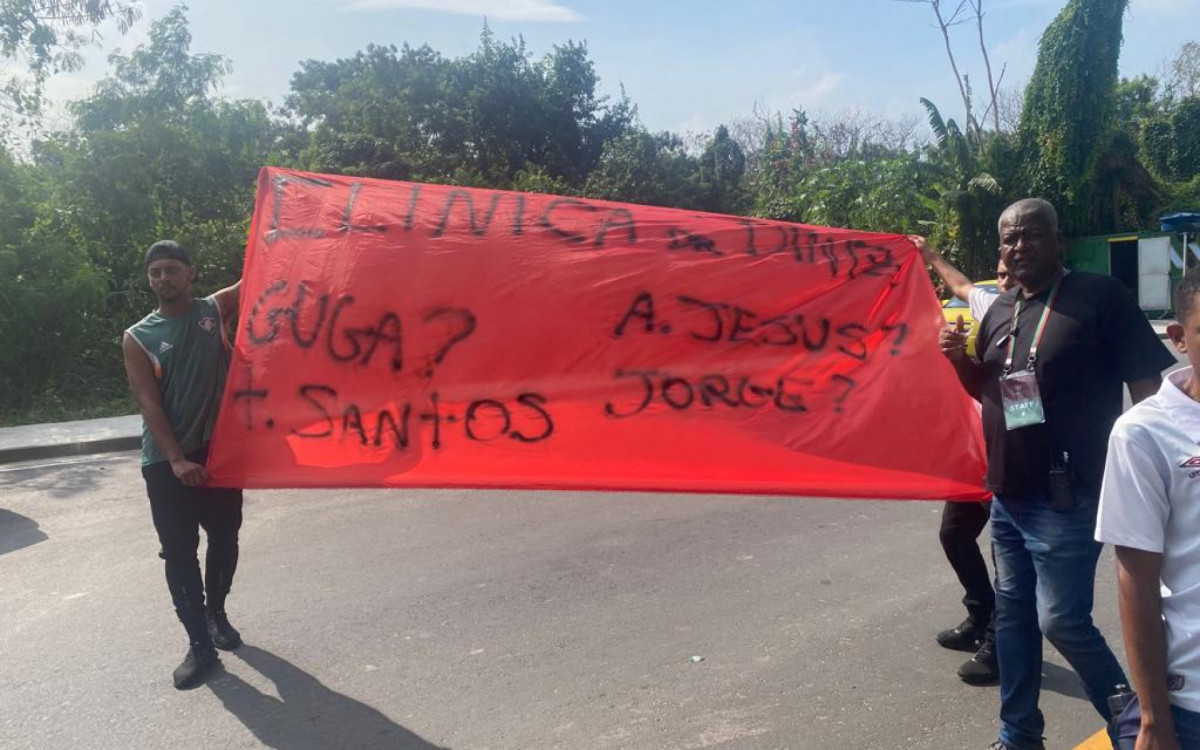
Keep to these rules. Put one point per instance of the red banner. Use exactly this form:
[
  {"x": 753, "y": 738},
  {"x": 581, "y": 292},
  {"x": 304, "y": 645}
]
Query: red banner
[{"x": 400, "y": 334}]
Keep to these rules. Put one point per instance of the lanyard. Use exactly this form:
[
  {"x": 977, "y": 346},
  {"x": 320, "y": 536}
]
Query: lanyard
[{"x": 1037, "y": 334}]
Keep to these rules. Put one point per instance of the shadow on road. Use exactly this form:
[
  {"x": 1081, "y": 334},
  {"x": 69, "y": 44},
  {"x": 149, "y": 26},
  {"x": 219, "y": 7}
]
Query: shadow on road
[
  {"x": 18, "y": 531},
  {"x": 63, "y": 481},
  {"x": 1063, "y": 681},
  {"x": 307, "y": 715}
]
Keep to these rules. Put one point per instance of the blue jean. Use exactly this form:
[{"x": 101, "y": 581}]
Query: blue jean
[
  {"x": 1187, "y": 727},
  {"x": 1045, "y": 581}
]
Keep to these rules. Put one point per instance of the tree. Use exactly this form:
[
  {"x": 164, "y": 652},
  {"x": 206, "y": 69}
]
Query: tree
[
  {"x": 1167, "y": 119},
  {"x": 1185, "y": 127},
  {"x": 480, "y": 119},
  {"x": 1137, "y": 101},
  {"x": 1124, "y": 188},
  {"x": 382, "y": 113},
  {"x": 1183, "y": 80},
  {"x": 642, "y": 167},
  {"x": 1076, "y": 73},
  {"x": 782, "y": 155},
  {"x": 880, "y": 194},
  {"x": 1155, "y": 154},
  {"x": 968, "y": 194},
  {"x": 152, "y": 154},
  {"x": 721, "y": 167},
  {"x": 45, "y": 36},
  {"x": 51, "y": 304},
  {"x": 948, "y": 14}
]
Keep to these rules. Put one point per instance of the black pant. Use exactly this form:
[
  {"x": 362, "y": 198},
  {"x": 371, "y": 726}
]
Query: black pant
[
  {"x": 962, "y": 523},
  {"x": 179, "y": 512}
]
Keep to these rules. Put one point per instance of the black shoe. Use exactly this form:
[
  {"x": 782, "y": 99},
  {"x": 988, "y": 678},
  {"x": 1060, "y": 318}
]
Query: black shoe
[
  {"x": 998, "y": 745},
  {"x": 224, "y": 635},
  {"x": 195, "y": 667},
  {"x": 965, "y": 637},
  {"x": 982, "y": 669}
]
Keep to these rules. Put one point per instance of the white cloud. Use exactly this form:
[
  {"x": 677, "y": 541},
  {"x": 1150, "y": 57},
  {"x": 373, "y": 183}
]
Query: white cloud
[
  {"x": 1017, "y": 56},
  {"x": 541, "y": 11},
  {"x": 697, "y": 123},
  {"x": 67, "y": 87},
  {"x": 808, "y": 89}
]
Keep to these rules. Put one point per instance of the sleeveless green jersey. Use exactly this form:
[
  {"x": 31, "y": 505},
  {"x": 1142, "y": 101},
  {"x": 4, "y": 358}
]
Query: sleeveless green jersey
[{"x": 190, "y": 356}]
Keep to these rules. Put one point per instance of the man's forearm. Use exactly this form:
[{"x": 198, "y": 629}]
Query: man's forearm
[
  {"x": 160, "y": 430},
  {"x": 1145, "y": 639},
  {"x": 956, "y": 280}
]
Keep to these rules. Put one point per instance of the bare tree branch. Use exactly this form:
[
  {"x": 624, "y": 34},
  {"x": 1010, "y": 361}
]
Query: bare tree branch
[
  {"x": 994, "y": 105},
  {"x": 944, "y": 26},
  {"x": 977, "y": 6},
  {"x": 947, "y": 19}
]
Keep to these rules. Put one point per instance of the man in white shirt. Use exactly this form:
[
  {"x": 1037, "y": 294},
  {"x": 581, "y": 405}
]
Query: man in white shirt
[
  {"x": 978, "y": 300},
  {"x": 962, "y": 523},
  {"x": 1150, "y": 511}
]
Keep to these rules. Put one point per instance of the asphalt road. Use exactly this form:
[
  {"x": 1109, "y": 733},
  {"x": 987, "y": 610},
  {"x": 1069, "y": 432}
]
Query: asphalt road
[{"x": 473, "y": 620}]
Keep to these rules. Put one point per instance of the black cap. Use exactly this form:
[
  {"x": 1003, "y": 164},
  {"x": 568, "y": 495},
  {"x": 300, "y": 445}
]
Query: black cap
[{"x": 167, "y": 249}]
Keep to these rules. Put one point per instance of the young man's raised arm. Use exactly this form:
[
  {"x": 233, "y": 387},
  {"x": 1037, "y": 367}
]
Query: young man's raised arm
[
  {"x": 227, "y": 301},
  {"x": 956, "y": 281}
]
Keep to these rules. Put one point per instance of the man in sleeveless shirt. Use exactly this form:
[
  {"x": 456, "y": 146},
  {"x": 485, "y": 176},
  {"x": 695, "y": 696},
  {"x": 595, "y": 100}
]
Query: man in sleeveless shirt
[{"x": 176, "y": 359}]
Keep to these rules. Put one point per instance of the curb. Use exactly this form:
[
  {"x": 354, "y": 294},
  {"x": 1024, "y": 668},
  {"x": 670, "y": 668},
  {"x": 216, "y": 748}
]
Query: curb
[{"x": 80, "y": 448}]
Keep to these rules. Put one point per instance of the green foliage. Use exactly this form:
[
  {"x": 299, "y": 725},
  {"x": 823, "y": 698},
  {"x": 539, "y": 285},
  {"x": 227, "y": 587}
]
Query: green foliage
[
  {"x": 1162, "y": 123},
  {"x": 46, "y": 36},
  {"x": 1137, "y": 100},
  {"x": 642, "y": 167},
  {"x": 152, "y": 155},
  {"x": 537, "y": 179},
  {"x": 1184, "y": 160},
  {"x": 154, "y": 152},
  {"x": 1127, "y": 196},
  {"x": 1069, "y": 105},
  {"x": 1183, "y": 196},
  {"x": 52, "y": 320},
  {"x": 873, "y": 194},
  {"x": 721, "y": 168},
  {"x": 481, "y": 119},
  {"x": 967, "y": 180},
  {"x": 846, "y": 172},
  {"x": 1184, "y": 77}
]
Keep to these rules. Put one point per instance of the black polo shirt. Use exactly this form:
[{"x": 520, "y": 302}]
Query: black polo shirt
[{"x": 1096, "y": 340}]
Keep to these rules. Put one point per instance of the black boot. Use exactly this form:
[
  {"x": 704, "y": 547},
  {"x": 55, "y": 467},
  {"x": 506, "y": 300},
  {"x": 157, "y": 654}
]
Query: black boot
[
  {"x": 224, "y": 636},
  {"x": 966, "y": 637},
  {"x": 201, "y": 656},
  {"x": 983, "y": 668},
  {"x": 196, "y": 666}
]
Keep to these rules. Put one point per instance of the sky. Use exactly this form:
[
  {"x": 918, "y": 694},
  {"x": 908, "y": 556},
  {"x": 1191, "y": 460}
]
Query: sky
[{"x": 688, "y": 66}]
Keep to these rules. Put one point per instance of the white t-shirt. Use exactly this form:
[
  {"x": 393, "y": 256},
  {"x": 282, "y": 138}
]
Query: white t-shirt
[
  {"x": 1150, "y": 501},
  {"x": 980, "y": 301}
]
